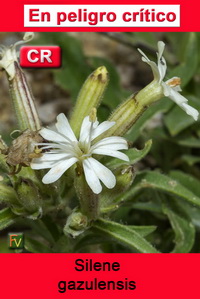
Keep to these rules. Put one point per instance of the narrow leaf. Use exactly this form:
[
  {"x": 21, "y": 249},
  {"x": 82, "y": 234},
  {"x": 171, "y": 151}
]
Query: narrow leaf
[
  {"x": 158, "y": 181},
  {"x": 92, "y": 239},
  {"x": 124, "y": 235},
  {"x": 184, "y": 231}
]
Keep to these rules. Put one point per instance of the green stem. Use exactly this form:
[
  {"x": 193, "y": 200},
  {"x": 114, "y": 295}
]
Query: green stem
[{"x": 89, "y": 202}]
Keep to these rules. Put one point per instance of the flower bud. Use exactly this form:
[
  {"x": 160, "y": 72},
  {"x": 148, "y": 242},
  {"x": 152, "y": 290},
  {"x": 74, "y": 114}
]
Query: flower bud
[
  {"x": 76, "y": 224},
  {"x": 29, "y": 198},
  {"x": 89, "y": 97},
  {"x": 8, "y": 194}
]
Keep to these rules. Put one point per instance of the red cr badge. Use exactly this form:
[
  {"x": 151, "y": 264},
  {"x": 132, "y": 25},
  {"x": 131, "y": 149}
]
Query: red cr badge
[{"x": 40, "y": 56}]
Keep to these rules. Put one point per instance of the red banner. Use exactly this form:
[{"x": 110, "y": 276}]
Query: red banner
[{"x": 88, "y": 275}]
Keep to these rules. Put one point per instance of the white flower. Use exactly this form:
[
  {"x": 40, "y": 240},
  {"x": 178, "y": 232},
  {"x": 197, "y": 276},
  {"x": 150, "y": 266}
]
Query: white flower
[
  {"x": 8, "y": 55},
  {"x": 170, "y": 87},
  {"x": 67, "y": 150}
]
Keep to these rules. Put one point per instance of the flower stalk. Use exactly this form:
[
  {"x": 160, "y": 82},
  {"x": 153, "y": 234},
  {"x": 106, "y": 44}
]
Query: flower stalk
[
  {"x": 29, "y": 198},
  {"x": 89, "y": 201}
]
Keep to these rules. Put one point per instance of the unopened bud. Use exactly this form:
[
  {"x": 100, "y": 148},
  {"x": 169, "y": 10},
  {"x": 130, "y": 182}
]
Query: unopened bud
[
  {"x": 8, "y": 194},
  {"x": 90, "y": 96},
  {"x": 29, "y": 198},
  {"x": 76, "y": 224}
]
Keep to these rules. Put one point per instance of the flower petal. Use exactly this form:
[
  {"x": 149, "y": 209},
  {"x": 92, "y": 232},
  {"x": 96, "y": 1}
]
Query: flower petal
[
  {"x": 112, "y": 153},
  {"x": 42, "y": 165},
  {"x": 190, "y": 111},
  {"x": 57, "y": 171},
  {"x": 103, "y": 127},
  {"x": 162, "y": 66},
  {"x": 152, "y": 64},
  {"x": 113, "y": 142},
  {"x": 91, "y": 177},
  {"x": 103, "y": 173},
  {"x": 86, "y": 129},
  {"x": 181, "y": 101},
  {"x": 49, "y": 160},
  {"x": 52, "y": 136},
  {"x": 51, "y": 156},
  {"x": 64, "y": 127}
]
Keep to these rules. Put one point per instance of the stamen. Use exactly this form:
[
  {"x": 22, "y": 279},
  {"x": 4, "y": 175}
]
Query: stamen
[{"x": 174, "y": 82}]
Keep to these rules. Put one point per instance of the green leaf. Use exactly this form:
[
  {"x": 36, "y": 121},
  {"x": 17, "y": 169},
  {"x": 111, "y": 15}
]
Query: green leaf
[
  {"x": 184, "y": 231},
  {"x": 158, "y": 181},
  {"x": 124, "y": 235},
  {"x": 92, "y": 239},
  {"x": 190, "y": 160},
  {"x": 187, "y": 180},
  {"x": 188, "y": 141},
  {"x": 35, "y": 246},
  {"x": 134, "y": 155},
  {"x": 143, "y": 231},
  {"x": 177, "y": 120},
  {"x": 7, "y": 218},
  {"x": 188, "y": 59},
  {"x": 41, "y": 228}
]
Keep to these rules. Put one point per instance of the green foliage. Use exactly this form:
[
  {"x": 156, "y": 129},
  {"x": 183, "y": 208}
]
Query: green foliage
[
  {"x": 125, "y": 235},
  {"x": 160, "y": 211},
  {"x": 7, "y": 218}
]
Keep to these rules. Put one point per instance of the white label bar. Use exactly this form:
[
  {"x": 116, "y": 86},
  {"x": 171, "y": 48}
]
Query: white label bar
[{"x": 101, "y": 15}]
